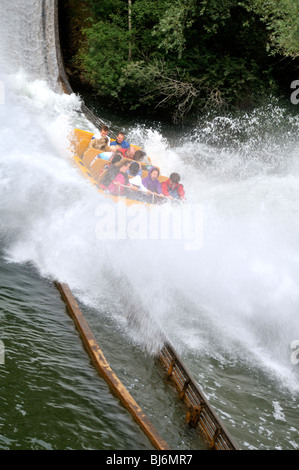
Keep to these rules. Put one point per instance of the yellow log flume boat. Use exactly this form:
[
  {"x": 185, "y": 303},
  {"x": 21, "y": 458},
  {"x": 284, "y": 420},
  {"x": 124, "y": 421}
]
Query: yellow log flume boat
[{"x": 93, "y": 167}]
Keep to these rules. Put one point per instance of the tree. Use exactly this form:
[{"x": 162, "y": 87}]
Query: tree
[
  {"x": 282, "y": 20},
  {"x": 130, "y": 27},
  {"x": 181, "y": 56}
]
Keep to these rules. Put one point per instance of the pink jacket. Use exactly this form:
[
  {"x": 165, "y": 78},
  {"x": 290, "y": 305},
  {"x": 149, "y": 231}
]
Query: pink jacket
[{"x": 117, "y": 190}]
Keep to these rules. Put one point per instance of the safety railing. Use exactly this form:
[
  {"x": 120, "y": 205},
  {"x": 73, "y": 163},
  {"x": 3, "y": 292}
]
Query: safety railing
[
  {"x": 200, "y": 413},
  {"x": 149, "y": 197}
]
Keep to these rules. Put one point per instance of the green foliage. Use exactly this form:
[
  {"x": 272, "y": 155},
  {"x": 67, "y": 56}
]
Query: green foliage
[
  {"x": 183, "y": 55},
  {"x": 282, "y": 20},
  {"x": 215, "y": 14},
  {"x": 105, "y": 57},
  {"x": 179, "y": 16}
]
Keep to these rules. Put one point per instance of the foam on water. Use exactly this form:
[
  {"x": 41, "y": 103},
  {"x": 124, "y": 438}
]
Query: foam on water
[
  {"x": 241, "y": 283},
  {"x": 235, "y": 294}
]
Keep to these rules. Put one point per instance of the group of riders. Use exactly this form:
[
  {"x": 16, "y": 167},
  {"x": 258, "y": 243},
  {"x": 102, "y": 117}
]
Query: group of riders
[{"x": 122, "y": 175}]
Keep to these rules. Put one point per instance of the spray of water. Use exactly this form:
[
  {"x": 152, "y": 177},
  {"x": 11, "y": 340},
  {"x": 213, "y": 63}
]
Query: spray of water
[
  {"x": 235, "y": 293},
  {"x": 28, "y": 39}
]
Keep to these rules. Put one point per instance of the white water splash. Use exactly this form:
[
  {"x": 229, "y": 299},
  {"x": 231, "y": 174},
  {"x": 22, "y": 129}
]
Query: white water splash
[{"x": 237, "y": 294}]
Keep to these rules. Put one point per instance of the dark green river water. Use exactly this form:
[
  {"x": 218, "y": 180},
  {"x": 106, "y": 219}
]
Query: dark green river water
[
  {"x": 51, "y": 395},
  {"x": 229, "y": 306}
]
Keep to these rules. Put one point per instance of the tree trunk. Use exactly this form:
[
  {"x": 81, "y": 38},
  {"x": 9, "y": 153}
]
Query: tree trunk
[{"x": 130, "y": 28}]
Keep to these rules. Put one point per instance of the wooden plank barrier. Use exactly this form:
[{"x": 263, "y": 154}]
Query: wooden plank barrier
[
  {"x": 200, "y": 414},
  {"x": 106, "y": 371}
]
